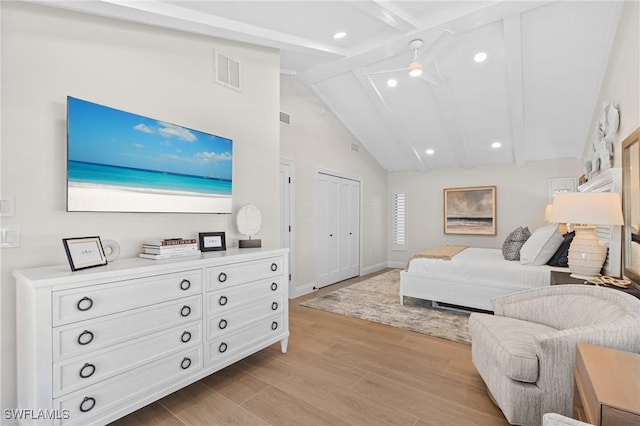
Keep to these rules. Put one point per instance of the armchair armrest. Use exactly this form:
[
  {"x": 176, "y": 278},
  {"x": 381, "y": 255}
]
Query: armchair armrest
[{"x": 556, "y": 353}]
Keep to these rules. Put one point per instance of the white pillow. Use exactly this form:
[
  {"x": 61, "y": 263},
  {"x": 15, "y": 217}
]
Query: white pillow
[{"x": 541, "y": 245}]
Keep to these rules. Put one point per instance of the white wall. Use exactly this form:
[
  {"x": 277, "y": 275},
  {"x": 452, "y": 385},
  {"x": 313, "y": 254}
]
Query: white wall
[
  {"x": 317, "y": 140},
  {"x": 48, "y": 54},
  {"x": 521, "y": 197},
  {"x": 621, "y": 84}
]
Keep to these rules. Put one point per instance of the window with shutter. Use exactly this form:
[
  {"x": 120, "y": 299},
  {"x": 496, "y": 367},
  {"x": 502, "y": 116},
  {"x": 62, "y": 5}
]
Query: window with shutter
[{"x": 399, "y": 218}]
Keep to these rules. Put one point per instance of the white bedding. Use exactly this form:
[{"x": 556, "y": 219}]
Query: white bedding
[
  {"x": 471, "y": 278},
  {"x": 484, "y": 266}
]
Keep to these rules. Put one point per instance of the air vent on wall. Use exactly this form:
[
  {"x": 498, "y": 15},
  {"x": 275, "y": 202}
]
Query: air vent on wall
[
  {"x": 227, "y": 70},
  {"x": 285, "y": 118}
]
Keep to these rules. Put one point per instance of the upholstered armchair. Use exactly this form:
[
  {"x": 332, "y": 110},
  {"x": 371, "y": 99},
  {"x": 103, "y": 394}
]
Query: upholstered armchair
[
  {"x": 554, "y": 419},
  {"x": 526, "y": 351}
]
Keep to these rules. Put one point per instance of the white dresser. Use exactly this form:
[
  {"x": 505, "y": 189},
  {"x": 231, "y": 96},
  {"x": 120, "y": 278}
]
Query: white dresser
[{"x": 97, "y": 344}]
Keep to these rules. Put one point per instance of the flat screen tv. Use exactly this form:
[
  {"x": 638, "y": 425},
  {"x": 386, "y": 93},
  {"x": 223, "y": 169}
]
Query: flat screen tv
[{"x": 123, "y": 162}]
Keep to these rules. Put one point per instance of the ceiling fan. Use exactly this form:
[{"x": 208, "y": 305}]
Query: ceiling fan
[{"x": 416, "y": 68}]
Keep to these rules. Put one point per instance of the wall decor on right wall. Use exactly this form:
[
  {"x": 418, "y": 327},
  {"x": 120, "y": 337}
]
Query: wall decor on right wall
[
  {"x": 601, "y": 154},
  {"x": 470, "y": 210}
]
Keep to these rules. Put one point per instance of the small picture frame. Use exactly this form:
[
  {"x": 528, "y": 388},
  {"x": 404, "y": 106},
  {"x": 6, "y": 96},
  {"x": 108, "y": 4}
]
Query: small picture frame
[
  {"x": 84, "y": 252},
  {"x": 212, "y": 241}
]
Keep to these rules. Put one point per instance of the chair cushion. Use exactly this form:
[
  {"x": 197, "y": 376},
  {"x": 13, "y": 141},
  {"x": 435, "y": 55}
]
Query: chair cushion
[{"x": 510, "y": 342}]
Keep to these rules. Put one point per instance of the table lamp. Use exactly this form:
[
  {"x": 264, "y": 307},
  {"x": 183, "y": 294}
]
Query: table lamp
[{"x": 586, "y": 210}]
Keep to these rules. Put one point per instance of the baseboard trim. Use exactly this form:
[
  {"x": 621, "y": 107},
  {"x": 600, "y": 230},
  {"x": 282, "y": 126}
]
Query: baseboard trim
[
  {"x": 398, "y": 265},
  {"x": 302, "y": 290},
  {"x": 366, "y": 270}
]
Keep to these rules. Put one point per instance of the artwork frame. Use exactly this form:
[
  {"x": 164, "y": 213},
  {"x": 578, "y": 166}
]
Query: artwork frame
[
  {"x": 84, "y": 252},
  {"x": 470, "y": 210},
  {"x": 559, "y": 185},
  {"x": 212, "y": 241}
]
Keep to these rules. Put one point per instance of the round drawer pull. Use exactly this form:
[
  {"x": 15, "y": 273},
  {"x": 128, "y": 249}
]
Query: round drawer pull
[
  {"x": 222, "y": 324},
  {"x": 222, "y": 277},
  {"x": 185, "y": 311},
  {"x": 185, "y": 284},
  {"x": 87, "y": 370},
  {"x": 274, "y": 325},
  {"x": 186, "y": 336},
  {"x": 274, "y": 267},
  {"x": 274, "y": 306},
  {"x": 85, "y": 338},
  {"x": 274, "y": 286},
  {"x": 87, "y": 404},
  {"x": 223, "y": 300},
  {"x": 84, "y": 304},
  {"x": 222, "y": 348},
  {"x": 186, "y": 363}
]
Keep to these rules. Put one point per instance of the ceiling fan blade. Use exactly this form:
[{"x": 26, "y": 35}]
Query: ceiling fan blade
[
  {"x": 436, "y": 46},
  {"x": 386, "y": 71},
  {"x": 432, "y": 78}
]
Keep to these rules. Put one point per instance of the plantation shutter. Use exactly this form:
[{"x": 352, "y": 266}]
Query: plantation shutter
[{"x": 399, "y": 224}]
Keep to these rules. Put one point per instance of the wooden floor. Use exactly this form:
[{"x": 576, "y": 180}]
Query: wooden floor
[{"x": 337, "y": 371}]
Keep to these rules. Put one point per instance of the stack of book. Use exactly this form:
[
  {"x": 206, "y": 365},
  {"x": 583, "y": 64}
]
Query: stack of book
[{"x": 169, "y": 248}]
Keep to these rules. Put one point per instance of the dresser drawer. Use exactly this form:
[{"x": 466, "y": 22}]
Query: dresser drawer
[
  {"x": 88, "y": 336},
  {"x": 239, "y": 273},
  {"x": 232, "y": 298},
  {"x": 228, "y": 321},
  {"x": 91, "y": 368},
  {"x": 93, "y": 301},
  {"x": 99, "y": 400},
  {"x": 227, "y": 345}
]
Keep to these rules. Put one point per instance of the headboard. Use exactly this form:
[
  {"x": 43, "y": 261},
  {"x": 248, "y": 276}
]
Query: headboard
[{"x": 609, "y": 180}]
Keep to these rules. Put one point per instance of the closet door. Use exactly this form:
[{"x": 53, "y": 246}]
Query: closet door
[{"x": 338, "y": 229}]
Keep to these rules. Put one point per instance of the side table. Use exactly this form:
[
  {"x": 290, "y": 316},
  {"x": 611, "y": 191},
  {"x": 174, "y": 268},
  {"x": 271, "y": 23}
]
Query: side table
[
  {"x": 559, "y": 278},
  {"x": 606, "y": 389}
]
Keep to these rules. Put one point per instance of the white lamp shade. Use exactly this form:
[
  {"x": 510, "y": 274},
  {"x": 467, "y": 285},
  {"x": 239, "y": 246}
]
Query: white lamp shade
[
  {"x": 547, "y": 212},
  {"x": 593, "y": 208}
]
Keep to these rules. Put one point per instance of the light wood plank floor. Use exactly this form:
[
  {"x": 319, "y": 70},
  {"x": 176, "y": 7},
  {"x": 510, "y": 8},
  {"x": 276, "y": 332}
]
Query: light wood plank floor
[{"x": 337, "y": 371}]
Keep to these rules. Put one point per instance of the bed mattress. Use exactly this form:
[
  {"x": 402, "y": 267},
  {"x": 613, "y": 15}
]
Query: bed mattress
[{"x": 483, "y": 266}]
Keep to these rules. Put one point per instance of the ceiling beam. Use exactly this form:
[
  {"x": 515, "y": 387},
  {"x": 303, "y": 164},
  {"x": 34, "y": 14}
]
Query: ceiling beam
[
  {"x": 452, "y": 124},
  {"x": 169, "y": 15},
  {"x": 515, "y": 90},
  {"x": 464, "y": 22},
  {"x": 387, "y": 13},
  {"x": 401, "y": 136}
]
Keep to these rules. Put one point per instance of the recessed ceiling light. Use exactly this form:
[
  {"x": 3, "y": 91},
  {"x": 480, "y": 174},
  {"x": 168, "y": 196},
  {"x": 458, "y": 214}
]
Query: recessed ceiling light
[
  {"x": 392, "y": 83},
  {"x": 429, "y": 151},
  {"x": 339, "y": 35},
  {"x": 496, "y": 145},
  {"x": 480, "y": 57}
]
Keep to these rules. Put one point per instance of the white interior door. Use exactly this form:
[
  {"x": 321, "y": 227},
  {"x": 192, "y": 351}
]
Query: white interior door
[{"x": 337, "y": 225}]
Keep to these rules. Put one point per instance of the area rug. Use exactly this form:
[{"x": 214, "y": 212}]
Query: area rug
[{"x": 377, "y": 299}]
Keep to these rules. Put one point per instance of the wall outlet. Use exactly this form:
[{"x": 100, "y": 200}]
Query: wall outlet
[{"x": 10, "y": 237}]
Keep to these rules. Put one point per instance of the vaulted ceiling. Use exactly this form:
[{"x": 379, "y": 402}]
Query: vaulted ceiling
[{"x": 535, "y": 93}]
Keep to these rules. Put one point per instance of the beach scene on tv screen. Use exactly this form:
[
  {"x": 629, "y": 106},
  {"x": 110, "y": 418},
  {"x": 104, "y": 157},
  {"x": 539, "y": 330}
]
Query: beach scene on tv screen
[{"x": 119, "y": 161}]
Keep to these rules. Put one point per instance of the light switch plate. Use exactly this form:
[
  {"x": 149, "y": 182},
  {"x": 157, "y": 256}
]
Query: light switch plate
[
  {"x": 6, "y": 206},
  {"x": 10, "y": 237}
]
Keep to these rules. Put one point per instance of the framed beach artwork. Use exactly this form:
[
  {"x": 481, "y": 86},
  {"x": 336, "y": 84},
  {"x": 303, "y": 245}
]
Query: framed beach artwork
[
  {"x": 118, "y": 161},
  {"x": 470, "y": 211}
]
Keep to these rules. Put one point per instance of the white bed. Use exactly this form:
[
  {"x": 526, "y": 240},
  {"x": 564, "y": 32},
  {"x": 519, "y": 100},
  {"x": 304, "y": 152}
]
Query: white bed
[{"x": 471, "y": 278}]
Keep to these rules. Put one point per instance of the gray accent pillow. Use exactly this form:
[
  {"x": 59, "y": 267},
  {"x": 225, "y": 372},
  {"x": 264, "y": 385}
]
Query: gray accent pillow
[{"x": 514, "y": 242}]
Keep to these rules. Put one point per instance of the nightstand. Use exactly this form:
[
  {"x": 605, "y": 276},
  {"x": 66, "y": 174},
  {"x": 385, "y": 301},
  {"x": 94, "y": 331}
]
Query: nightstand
[
  {"x": 606, "y": 389},
  {"x": 559, "y": 278}
]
